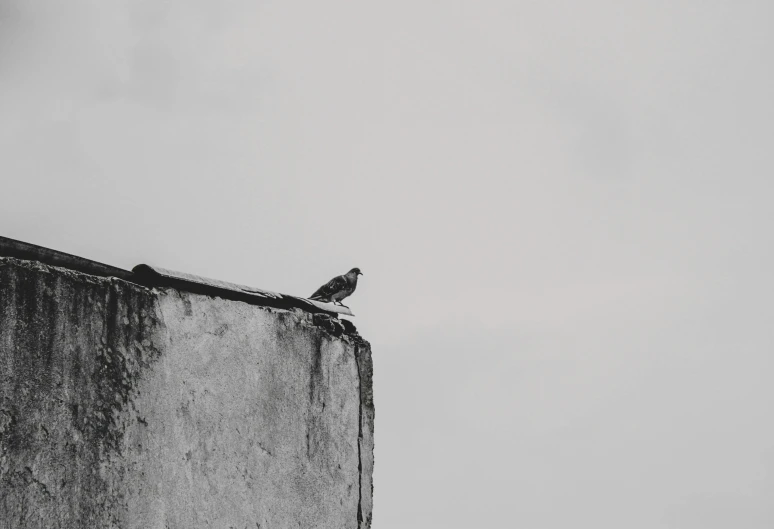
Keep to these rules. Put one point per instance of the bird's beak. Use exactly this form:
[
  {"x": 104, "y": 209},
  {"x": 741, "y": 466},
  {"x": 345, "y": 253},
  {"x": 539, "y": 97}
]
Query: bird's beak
[{"x": 360, "y": 273}]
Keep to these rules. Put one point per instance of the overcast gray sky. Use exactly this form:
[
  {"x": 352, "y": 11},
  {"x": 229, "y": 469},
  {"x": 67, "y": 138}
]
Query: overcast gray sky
[{"x": 563, "y": 212}]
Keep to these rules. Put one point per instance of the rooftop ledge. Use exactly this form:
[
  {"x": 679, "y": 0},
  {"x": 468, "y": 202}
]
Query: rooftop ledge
[{"x": 153, "y": 276}]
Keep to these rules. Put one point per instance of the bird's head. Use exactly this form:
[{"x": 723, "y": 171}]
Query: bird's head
[{"x": 355, "y": 272}]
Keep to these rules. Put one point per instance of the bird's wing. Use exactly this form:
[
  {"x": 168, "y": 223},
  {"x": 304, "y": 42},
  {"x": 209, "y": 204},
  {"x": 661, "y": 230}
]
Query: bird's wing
[{"x": 330, "y": 288}]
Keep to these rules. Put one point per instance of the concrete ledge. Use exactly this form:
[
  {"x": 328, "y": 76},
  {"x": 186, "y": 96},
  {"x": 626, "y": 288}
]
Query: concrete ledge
[{"x": 155, "y": 277}]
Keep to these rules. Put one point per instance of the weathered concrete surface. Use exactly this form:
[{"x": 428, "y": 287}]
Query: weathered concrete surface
[{"x": 126, "y": 407}]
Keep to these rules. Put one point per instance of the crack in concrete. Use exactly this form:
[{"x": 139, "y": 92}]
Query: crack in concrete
[
  {"x": 359, "y": 443},
  {"x": 264, "y": 449}
]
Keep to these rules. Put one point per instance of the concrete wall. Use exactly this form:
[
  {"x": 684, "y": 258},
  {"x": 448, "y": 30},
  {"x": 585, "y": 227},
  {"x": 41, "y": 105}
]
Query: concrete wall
[{"x": 127, "y": 407}]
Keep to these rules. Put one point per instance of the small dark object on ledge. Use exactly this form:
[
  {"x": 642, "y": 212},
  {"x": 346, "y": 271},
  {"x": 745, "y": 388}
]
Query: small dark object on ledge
[
  {"x": 330, "y": 324},
  {"x": 349, "y": 327}
]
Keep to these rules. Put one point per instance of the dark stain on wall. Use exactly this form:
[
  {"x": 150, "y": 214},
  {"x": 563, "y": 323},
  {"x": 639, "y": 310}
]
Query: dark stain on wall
[{"x": 72, "y": 347}]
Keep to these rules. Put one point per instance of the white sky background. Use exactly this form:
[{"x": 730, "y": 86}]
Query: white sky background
[{"x": 563, "y": 212}]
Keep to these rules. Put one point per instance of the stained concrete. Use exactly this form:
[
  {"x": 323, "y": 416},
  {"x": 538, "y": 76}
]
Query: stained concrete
[{"x": 128, "y": 407}]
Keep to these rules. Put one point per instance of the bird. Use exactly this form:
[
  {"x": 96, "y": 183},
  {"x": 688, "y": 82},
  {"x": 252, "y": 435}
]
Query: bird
[{"x": 338, "y": 288}]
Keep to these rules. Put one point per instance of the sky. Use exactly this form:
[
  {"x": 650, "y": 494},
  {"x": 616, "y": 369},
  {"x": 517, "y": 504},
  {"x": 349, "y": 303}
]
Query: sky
[{"x": 563, "y": 212}]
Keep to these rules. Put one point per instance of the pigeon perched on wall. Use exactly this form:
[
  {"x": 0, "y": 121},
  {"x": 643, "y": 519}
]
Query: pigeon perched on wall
[{"x": 338, "y": 288}]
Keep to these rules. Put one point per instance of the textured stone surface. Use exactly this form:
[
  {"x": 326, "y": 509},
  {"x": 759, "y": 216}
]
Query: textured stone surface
[{"x": 126, "y": 407}]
